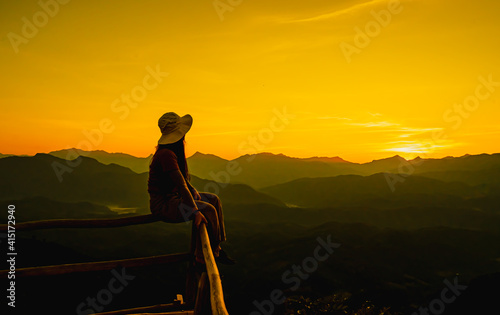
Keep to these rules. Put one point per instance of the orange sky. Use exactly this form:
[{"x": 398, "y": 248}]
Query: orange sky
[{"x": 358, "y": 79}]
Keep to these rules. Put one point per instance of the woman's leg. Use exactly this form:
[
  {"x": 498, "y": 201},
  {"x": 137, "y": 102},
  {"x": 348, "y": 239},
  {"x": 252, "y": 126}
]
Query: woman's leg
[
  {"x": 171, "y": 209},
  {"x": 213, "y": 229},
  {"x": 167, "y": 207},
  {"x": 214, "y": 200}
]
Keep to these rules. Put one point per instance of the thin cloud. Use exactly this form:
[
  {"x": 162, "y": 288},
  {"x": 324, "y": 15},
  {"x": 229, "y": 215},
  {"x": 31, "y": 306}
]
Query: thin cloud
[
  {"x": 375, "y": 124},
  {"x": 409, "y": 132},
  {"x": 338, "y": 13},
  {"x": 419, "y": 147}
]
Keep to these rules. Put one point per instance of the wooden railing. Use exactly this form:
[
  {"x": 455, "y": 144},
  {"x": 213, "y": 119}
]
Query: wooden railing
[
  {"x": 216, "y": 294},
  {"x": 196, "y": 285}
]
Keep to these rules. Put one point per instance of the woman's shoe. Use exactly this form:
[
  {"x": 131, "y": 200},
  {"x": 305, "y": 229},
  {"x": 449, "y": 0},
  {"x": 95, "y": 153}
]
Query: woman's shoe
[{"x": 224, "y": 258}]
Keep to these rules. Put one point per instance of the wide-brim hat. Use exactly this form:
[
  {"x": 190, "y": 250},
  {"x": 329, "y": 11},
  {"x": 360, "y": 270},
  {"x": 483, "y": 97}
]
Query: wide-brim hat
[{"x": 173, "y": 127}]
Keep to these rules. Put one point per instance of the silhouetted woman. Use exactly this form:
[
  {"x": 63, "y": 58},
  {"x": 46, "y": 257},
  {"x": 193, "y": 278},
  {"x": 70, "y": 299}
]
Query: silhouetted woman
[{"x": 172, "y": 197}]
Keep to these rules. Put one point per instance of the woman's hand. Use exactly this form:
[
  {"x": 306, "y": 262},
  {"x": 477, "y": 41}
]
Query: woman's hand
[
  {"x": 196, "y": 195},
  {"x": 199, "y": 218}
]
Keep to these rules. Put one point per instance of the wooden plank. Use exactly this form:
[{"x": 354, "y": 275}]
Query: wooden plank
[
  {"x": 96, "y": 266},
  {"x": 82, "y": 223},
  {"x": 169, "y": 313},
  {"x": 216, "y": 294},
  {"x": 152, "y": 308}
]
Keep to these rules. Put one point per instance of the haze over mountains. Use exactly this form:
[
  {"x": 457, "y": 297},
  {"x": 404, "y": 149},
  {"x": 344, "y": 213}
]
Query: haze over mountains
[
  {"x": 107, "y": 179},
  {"x": 458, "y": 192},
  {"x": 91, "y": 181},
  {"x": 266, "y": 169}
]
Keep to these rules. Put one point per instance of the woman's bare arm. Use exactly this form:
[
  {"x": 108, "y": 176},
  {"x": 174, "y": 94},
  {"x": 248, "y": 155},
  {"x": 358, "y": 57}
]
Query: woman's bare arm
[
  {"x": 193, "y": 191},
  {"x": 183, "y": 189},
  {"x": 186, "y": 196}
]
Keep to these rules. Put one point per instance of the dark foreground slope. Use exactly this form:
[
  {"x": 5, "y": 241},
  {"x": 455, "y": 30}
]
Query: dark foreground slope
[{"x": 387, "y": 267}]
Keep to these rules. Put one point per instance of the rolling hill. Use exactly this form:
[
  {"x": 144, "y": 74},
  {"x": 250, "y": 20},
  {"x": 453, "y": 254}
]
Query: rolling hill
[
  {"x": 396, "y": 247},
  {"x": 113, "y": 185},
  {"x": 136, "y": 164},
  {"x": 91, "y": 181},
  {"x": 370, "y": 191},
  {"x": 266, "y": 169}
]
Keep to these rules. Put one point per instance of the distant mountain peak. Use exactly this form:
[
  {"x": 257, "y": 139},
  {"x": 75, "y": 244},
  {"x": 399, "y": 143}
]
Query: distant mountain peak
[
  {"x": 272, "y": 154},
  {"x": 198, "y": 155},
  {"x": 266, "y": 155},
  {"x": 94, "y": 152},
  {"x": 335, "y": 159},
  {"x": 392, "y": 158}
]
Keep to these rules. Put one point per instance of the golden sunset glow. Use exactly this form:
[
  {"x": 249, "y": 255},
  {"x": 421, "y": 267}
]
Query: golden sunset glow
[{"x": 362, "y": 80}]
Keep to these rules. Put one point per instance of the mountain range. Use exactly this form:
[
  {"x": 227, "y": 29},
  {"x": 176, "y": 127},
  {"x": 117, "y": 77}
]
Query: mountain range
[
  {"x": 136, "y": 164},
  {"x": 397, "y": 246},
  {"x": 112, "y": 185},
  {"x": 266, "y": 169},
  {"x": 467, "y": 198}
]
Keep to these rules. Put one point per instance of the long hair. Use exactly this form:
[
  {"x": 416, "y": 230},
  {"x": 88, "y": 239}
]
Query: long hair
[{"x": 178, "y": 149}]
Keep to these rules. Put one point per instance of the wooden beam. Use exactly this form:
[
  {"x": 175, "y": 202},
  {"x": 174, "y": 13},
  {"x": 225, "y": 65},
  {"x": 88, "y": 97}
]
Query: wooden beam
[
  {"x": 96, "y": 266},
  {"x": 169, "y": 313},
  {"x": 82, "y": 223},
  {"x": 153, "y": 308},
  {"x": 216, "y": 294}
]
